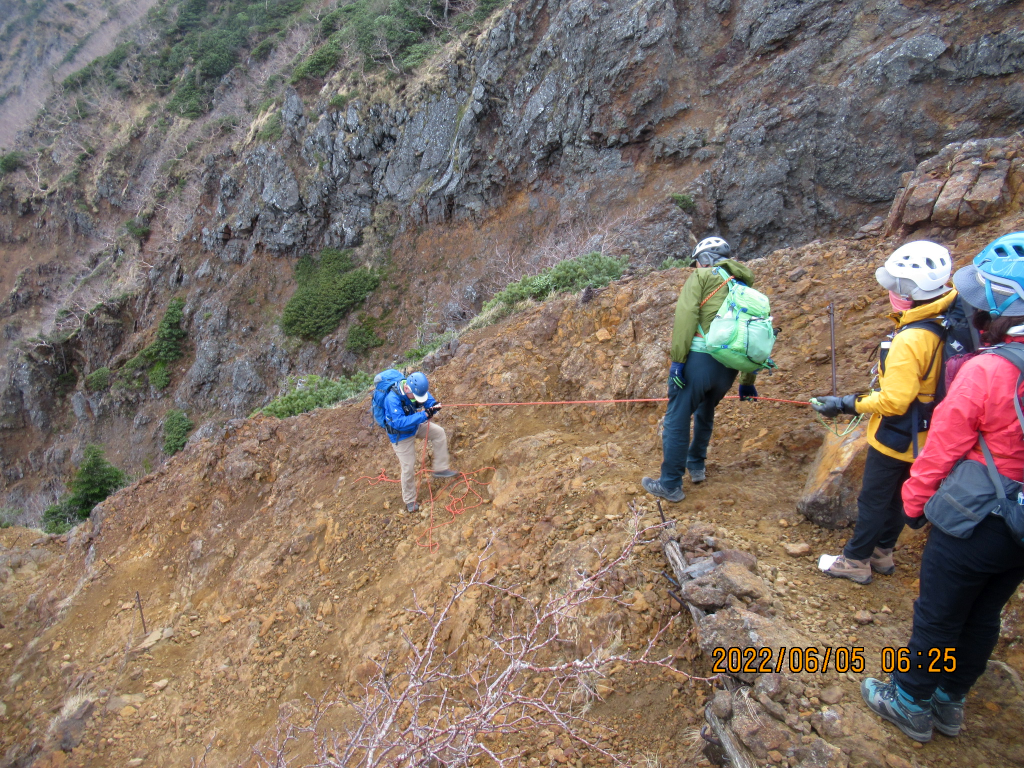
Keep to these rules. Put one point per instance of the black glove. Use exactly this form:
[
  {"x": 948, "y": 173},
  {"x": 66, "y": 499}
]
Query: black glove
[
  {"x": 748, "y": 392},
  {"x": 914, "y": 522},
  {"x": 831, "y": 406},
  {"x": 432, "y": 410}
]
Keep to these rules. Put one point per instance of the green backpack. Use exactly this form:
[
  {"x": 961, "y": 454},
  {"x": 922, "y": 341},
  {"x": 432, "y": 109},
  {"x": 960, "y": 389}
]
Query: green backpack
[{"x": 741, "y": 334}]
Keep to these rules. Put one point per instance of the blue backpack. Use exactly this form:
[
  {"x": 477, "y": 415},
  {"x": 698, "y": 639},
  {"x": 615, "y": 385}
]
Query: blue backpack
[{"x": 383, "y": 383}]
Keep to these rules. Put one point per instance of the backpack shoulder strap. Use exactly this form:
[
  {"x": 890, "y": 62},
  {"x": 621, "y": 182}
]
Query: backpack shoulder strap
[
  {"x": 990, "y": 465},
  {"x": 726, "y": 277},
  {"x": 1014, "y": 352},
  {"x": 937, "y": 327},
  {"x": 933, "y": 324}
]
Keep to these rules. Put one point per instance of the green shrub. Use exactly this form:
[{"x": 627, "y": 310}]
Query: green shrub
[
  {"x": 429, "y": 345},
  {"x": 319, "y": 63},
  {"x": 94, "y": 481},
  {"x": 11, "y": 162},
  {"x": 65, "y": 382},
  {"x": 60, "y": 518},
  {"x": 592, "y": 269},
  {"x": 328, "y": 288},
  {"x": 188, "y": 100},
  {"x": 339, "y": 101},
  {"x": 673, "y": 263},
  {"x": 177, "y": 427},
  {"x": 98, "y": 380},
  {"x": 169, "y": 335},
  {"x": 362, "y": 336},
  {"x": 262, "y": 51},
  {"x": 684, "y": 201},
  {"x": 9, "y": 516},
  {"x": 159, "y": 376},
  {"x": 417, "y": 53},
  {"x": 273, "y": 129},
  {"x": 137, "y": 228},
  {"x": 308, "y": 392}
]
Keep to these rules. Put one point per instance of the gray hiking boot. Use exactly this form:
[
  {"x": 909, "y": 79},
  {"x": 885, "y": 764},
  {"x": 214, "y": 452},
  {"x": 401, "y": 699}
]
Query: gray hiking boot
[
  {"x": 910, "y": 715},
  {"x": 698, "y": 476},
  {"x": 414, "y": 507},
  {"x": 854, "y": 570},
  {"x": 442, "y": 473},
  {"x": 881, "y": 561},
  {"x": 655, "y": 488},
  {"x": 947, "y": 713}
]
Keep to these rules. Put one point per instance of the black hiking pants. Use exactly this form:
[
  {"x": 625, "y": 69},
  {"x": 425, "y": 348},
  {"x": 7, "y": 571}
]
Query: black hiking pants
[
  {"x": 707, "y": 382},
  {"x": 964, "y": 585},
  {"x": 879, "y": 506}
]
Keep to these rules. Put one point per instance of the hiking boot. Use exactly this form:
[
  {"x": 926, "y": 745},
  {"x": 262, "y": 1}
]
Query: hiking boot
[
  {"x": 910, "y": 715},
  {"x": 698, "y": 476},
  {"x": 443, "y": 473},
  {"x": 947, "y": 713},
  {"x": 655, "y": 488},
  {"x": 854, "y": 570},
  {"x": 882, "y": 562},
  {"x": 414, "y": 507}
]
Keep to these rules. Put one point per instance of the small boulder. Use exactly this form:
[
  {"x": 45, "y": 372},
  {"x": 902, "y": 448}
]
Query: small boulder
[
  {"x": 863, "y": 617},
  {"x": 796, "y": 548}
]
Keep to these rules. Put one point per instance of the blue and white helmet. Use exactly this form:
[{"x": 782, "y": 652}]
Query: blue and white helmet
[
  {"x": 995, "y": 281},
  {"x": 419, "y": 386}
]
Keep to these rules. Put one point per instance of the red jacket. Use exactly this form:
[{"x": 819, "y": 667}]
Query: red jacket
[{"x": 980, "y": 399}]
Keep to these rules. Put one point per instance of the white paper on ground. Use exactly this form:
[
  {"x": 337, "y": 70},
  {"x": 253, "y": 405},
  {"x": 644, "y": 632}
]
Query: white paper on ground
[{"x": 825, "y": 561}]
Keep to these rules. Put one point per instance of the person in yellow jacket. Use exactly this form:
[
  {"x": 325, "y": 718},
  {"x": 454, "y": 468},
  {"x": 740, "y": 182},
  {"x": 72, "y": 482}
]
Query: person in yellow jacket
[{"x": 909, "y": 367}]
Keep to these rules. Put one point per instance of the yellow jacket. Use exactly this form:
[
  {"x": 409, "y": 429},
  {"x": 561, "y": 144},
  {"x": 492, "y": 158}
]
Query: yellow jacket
[{"x": 902, "y": 379}]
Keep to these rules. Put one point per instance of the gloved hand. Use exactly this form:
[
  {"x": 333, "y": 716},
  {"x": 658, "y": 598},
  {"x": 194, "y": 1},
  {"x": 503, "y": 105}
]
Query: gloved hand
[
  {"x": 914, "y": 522},
  {"x": 748, "y": 392},
  {"x": 432, "y": 411},
  {"x": 675, "y": 376},
  {"x": 831, "y": 406}
]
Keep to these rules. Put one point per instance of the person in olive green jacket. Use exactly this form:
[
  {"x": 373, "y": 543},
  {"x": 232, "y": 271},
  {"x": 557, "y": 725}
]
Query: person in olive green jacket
[{"x": 697, "y": 382}]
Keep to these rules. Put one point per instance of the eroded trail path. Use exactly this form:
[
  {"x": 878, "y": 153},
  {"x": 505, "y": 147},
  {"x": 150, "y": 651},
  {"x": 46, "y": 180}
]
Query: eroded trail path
[{"x": 269, "y": 568}]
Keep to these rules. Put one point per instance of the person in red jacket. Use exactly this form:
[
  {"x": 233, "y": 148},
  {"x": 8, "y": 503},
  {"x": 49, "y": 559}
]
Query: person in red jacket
[{"x": 965, "y": 582}]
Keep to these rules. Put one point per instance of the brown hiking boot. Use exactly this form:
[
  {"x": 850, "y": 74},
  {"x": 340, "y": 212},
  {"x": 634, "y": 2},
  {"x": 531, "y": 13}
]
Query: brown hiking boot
[
  {"x": 854, "y": 570},
  {"x": 882, "y": 562}
]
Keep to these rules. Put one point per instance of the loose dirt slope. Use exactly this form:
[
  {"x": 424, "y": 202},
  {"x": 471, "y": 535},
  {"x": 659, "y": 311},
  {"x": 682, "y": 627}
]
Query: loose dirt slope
[{"x": 271, "y": 563}]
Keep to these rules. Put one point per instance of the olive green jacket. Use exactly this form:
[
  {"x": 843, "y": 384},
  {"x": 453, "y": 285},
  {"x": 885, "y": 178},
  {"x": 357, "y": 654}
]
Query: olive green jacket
[{"x": 690, "y": 313}]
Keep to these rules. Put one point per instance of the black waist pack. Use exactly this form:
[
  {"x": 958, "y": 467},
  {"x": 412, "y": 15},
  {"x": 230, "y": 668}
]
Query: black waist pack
[{"x": 971, "y": 492}]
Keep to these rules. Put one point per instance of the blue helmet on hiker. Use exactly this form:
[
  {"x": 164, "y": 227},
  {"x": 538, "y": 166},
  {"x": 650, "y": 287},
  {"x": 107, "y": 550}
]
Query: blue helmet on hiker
[
  {"x": 710, "y": 251},
  {"x": 418, "y": 386},
  {"x": 995, "y": 281}
]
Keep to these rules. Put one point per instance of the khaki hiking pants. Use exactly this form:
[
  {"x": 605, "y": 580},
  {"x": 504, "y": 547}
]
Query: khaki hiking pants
[{"x": 406, "y": 452}]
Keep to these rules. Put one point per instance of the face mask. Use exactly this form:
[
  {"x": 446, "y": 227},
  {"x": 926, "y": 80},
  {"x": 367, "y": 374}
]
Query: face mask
[{"x": 899, "y": 304}]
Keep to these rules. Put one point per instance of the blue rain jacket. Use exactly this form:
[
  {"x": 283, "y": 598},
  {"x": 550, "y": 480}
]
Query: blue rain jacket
[{"x": 404, "y": 415}]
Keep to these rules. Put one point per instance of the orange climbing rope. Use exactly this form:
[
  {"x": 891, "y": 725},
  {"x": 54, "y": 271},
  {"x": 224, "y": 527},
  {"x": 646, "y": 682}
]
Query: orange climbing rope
[{"x": 462, "y": 489}]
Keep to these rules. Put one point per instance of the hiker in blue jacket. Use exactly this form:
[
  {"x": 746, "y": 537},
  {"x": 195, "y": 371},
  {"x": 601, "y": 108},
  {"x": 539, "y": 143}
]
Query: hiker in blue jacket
[{"x": 408, "y": 408}]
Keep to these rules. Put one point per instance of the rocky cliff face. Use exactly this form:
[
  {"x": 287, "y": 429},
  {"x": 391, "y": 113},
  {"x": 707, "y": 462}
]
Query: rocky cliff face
[{"x": 784, "y": 121}]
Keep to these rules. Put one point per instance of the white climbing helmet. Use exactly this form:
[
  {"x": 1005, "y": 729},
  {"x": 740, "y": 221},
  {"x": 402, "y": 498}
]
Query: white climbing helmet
[
  {"x": 710, "y": 251},
  {"x": 917, "y": 270}
]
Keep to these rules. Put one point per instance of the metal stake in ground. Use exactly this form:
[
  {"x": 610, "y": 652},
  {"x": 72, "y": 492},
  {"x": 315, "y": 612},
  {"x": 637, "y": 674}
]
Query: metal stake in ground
[
  {"x": 832, "y": 338},
  {"x": 138, "y": 602}
]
